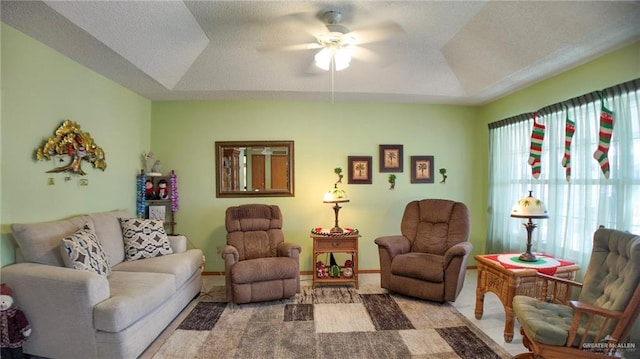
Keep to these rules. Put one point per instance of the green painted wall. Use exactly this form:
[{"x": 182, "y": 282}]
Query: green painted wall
[
  {"x": 183, "y": 136},
  {"x": 41, "y": 88}
]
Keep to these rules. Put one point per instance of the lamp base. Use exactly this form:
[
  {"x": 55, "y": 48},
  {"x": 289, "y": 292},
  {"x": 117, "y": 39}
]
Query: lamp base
[
  {"x": 528, "y": 257},
  {"x": 336, "y": 230}
]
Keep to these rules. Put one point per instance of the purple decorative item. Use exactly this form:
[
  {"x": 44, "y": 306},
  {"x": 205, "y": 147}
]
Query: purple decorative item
[{"x": 174, "y": 192}]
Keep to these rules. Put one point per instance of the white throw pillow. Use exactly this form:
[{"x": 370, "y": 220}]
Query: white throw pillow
[
  {"x": 83, "y": 251},
  {"x": 144, "y": 238}
]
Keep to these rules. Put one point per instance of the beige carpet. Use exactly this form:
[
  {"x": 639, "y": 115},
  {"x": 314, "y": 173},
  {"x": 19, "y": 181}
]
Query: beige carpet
[{"x": 328, "y": 322}]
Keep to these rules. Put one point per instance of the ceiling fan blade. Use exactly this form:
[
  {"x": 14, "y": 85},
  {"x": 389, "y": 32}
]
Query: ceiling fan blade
[
  {"x": 312, "y": 70},
  {"x": 382, "y": 55},
  {"x": 378, "y": 33},
  {"x": 363, "y": 54},
  {"x": 300, "y": 22},
  {"x": 296, "y": 47}
]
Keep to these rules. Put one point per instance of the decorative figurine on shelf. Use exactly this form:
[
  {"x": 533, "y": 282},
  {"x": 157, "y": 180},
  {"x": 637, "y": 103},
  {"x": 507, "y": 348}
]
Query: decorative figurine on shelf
[
  {"x": 151, "y": 165},
  {"x": 321, "y": 270},
  {"x": 157, "y": 166},
  {"x": 149, "y": 192},
  {"x": 335, "y": 271},
  {"x": 163, "y": 190},
  {"x": 15, "y": 328}
]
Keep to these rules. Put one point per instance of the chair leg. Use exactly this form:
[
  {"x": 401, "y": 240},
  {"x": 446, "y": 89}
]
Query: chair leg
[{"x": 524, "y": 356}]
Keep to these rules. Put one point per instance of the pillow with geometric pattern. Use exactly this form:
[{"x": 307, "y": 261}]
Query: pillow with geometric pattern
[
  {"x": 144, "y": 238},
  {"x": 83, "y": 251}
]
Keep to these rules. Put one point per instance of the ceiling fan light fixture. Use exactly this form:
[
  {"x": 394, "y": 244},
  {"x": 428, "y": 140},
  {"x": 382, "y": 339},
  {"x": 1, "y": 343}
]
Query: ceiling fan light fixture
[
  {"x": 341, "y": 58},
  {"x": 323, "y": 59}
]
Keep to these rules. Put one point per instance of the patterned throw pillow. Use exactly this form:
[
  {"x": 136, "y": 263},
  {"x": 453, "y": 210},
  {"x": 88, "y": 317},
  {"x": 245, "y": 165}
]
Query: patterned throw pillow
[
  {"x": 83, "y": 251},
  {"x": 144, "y": 238}
]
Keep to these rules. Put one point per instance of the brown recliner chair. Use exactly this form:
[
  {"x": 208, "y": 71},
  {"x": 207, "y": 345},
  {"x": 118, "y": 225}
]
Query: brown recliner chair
[
  {"x": 259, "y": 265},
  {"x": 429, "y": 259}
]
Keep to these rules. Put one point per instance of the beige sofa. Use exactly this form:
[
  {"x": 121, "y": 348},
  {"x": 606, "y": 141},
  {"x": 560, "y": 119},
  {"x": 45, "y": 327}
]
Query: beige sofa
[{"x": 81, "y": 314}]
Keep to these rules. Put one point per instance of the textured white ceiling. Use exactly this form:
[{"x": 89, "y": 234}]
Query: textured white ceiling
[{"x": 450, "y": 52}]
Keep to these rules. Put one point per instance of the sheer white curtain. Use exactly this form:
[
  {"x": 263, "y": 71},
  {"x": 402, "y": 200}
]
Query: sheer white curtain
[{"x": 578, "y": 206}]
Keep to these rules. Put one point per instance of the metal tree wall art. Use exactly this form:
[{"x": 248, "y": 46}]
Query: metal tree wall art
[{"x": 69, "y": 140}]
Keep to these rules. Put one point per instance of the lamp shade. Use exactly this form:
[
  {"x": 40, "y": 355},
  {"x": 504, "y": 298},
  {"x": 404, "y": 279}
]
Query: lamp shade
[
  {"x": 335, "y": 195},
  {"x": 529, "y": 207}
]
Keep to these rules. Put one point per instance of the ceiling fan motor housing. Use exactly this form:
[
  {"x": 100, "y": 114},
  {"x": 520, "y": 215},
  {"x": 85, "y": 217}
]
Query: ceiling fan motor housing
[
  {"x": 332, "y": 17},
  {"x": 337, "y": 35}
]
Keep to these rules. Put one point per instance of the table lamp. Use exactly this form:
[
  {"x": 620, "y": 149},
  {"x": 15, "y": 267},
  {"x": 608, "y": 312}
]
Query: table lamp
[
  {"x": 529, "y": 207},
  {"x": 336, "y": 195}
]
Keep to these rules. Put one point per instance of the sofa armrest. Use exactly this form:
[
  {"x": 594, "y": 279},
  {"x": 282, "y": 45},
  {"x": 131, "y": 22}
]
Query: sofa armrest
[
  {"x": 230, "y": 255},
  {"x": 289, "y": 250},
  {"x": 58, "y": 303},
  {"x": 458, "y": 250},
  {"x": 178, "y": 243},
  {"x": 292, "y": 251},
  {"x": 394, "y": 244},
  {"x": 389, "y": 247}
]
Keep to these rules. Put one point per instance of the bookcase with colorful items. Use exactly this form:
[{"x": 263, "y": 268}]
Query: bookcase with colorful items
[{"x": 157, "y": 198}]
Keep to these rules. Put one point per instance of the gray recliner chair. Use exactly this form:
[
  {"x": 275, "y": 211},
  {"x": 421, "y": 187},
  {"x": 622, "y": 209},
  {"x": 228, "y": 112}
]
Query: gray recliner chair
[
  {"x": 259, "y": 264},
  {"x": 429, "y": 259}
]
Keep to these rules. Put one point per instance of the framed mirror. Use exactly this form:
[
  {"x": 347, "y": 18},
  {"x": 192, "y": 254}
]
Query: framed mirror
[{"x": 254, "y": 169}]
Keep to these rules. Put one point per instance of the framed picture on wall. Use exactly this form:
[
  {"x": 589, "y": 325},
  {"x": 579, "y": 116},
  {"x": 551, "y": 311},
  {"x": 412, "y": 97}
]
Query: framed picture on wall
[
  {"x": 421, "y": 169},
  {"x": 391, "y": 158},
  {"x": 359, "y": 169},
  {"x": 157, "y": 213}
]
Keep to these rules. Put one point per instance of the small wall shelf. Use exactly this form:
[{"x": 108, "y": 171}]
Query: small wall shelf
[{"x": 157, "y": 200}]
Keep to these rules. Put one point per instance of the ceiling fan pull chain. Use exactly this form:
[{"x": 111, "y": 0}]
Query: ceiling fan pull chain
[{"x": 333, "y": 71}]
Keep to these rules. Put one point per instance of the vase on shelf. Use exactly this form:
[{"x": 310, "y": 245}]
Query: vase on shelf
[{"x": 151, "y": 165}]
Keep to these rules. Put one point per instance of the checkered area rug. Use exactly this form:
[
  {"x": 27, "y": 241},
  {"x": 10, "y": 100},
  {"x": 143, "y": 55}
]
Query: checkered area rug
[{"x": 328, "y": 322}]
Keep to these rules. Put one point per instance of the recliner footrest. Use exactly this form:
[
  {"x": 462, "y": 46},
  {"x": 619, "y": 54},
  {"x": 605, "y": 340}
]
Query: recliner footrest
[{"x": 264, "y": 269}]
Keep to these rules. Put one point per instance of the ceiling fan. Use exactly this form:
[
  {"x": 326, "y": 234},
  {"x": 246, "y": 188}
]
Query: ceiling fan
[
  {"x": 335, "y": 44},
  {"x": 340, "y": 44}
]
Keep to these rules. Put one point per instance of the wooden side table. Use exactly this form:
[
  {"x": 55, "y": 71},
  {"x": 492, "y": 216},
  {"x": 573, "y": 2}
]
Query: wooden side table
[
  {"x": 507, "y": 283},
  {"x": 336, "y": 244}
]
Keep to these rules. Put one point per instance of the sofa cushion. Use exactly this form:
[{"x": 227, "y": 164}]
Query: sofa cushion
[
  {"x": 40, "y": 242},
  {"x": 262, "y": 269},
  {"x": 144, "y": 238},
  {"x": 181, "y": 265},
  {"x": 83, "y": 251},
  {"x": 109, "y": 233},
  {"x": 132, "y": 296},
  {"x": 424, "y": 266}
]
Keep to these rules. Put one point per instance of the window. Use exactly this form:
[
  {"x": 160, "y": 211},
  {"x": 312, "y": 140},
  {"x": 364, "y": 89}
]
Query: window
[{"x": 576, "y": 205}]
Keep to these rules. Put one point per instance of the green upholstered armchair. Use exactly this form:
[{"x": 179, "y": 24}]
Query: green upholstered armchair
[
  {"x": 429, "y": 259},
  {"x": 599, "y": 323},
  {"x": 259, "y": 264}
]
